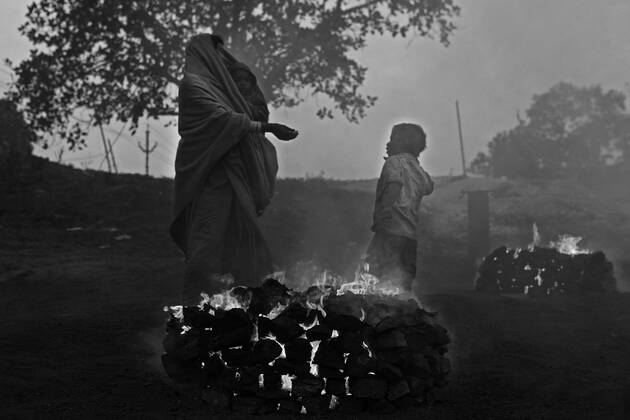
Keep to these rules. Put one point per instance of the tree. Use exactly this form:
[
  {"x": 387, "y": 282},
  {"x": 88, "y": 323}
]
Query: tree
[
  {"x": 121, "y": 59},
  {"x": 16, "y": 139},
  {"x": 567, "y": 129}
]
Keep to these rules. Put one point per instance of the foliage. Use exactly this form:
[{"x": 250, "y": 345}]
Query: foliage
[
  {"x": 121, "y": 59},
  {"x": 567, "y": 129},
  {"x": 16, "y": 138}
]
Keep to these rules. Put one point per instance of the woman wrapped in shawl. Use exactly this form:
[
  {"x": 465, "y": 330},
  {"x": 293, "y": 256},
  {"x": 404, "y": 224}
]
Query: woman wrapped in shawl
[{"x": 225, "y": 170}]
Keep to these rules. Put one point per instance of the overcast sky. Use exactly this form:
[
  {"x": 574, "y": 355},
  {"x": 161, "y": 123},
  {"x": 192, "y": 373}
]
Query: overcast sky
[{"x": 503, "y": 52}]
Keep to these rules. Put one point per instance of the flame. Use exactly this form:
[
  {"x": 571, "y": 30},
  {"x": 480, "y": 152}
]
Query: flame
[
  {"x": 535, "y": 237},
  {"x": 270, "y": 336},
  {"x": 362, "y": 315},
  {"x": 335, "y": 333},
  {"x": 365, "y": 346},
  {"x": 365, "y": 283},
  {"x": 538, "y": 277},
  {"x": 261, "y": 381},
  {"x": 287, "y": 382},
  {"x": 311, "y": 325},
  {"x": 567, "y": 244},
  {"x": 185, "y": 329},
  {"x": 348, "y": 386},
  {"x": 277, "y": 310},
  {"x": 314, "y": 368},
  {"x": 177, "y": 311}
]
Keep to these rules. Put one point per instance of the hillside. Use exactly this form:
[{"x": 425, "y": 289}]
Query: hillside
[{"x": 86, "y": 266}]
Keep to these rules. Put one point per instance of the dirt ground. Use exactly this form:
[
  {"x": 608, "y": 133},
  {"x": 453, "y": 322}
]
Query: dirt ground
[{"x": 86, "y": 267}]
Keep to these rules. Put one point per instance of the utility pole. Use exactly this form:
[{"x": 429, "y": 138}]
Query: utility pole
[
  {"x": 111, "y": 154},
  {"x": 461, "y": 138},
  {"x": 147, "y": 150},
  {"x": 109, "y": 164}
]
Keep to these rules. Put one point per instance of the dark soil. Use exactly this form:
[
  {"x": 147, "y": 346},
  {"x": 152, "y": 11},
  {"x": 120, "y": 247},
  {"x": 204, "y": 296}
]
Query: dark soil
[{"x": 82, "y": 320}]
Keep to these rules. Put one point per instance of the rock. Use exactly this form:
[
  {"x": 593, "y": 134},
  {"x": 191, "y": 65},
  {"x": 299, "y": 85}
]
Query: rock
[
  {"x": 307, "y": 386},
  {"x": 266, "y": 351},
  {"x": 286, "y": 366},
  {"x": 319, "y": 332},
  {"x": 350, "y": 405},
  {"x": 290, "y": 406},
  {"x": 286, "y": 329},
  {"x": 397, "y": 390},
  {"x": 316, "y": 404},
  {"x": 328, "y": 356},
  {"x": 359, "y": 365},
  {"x": 343, "y": 322},
  {"x": 371, "y": 388},
  {"x": 336, "y": 386},
  {"x": 391, "y": 339},
  {"x": 299, "y": 350}
]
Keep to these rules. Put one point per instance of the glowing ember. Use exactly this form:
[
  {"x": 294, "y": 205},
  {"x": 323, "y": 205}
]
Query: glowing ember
[
  {"x": 314, "y": 368},
  {"x": 261, "y": 381},
  {"x": 335, "y": 334},
  {"x": 365, "y": 346},
  {"x": 334, "y": 402},
  {"x": 287, "y": 382},
  {"x": 362, "y": 315}
]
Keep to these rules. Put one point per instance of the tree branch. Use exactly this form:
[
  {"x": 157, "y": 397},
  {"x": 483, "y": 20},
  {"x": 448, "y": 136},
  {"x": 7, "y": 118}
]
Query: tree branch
[{"x": 359, "y": 7}]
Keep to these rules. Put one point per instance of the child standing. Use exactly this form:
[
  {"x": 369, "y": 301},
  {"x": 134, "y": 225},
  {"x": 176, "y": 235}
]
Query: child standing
[{"x": 392, "y": 253}]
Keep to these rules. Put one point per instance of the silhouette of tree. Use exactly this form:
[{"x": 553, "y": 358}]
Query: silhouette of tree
[
  {"x": 122, "y": 59},
  {"x": 16, "y": 139},
  {"x": 567, "y": 129}
]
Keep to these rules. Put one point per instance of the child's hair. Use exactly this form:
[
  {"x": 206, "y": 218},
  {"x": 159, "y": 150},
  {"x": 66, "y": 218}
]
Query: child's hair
[{"x": 413, "y": 136}]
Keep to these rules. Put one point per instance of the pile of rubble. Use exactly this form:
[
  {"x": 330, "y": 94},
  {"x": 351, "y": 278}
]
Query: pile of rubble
[{"x": 270, "y": 349}]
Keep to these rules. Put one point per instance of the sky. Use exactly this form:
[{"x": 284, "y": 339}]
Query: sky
[{"x": 503, "y": 52}]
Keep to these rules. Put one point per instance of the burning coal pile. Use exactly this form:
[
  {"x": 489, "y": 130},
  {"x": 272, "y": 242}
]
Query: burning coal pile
[
  {"x": 560, "y": 268},
  {"x": 270, "y": 349}
]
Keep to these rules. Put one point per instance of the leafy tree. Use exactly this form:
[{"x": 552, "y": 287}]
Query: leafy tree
[
  {"x": 121, "y": 59},
  {"x": 16, "y": 138},
  {"x": 567, "y": 129}
]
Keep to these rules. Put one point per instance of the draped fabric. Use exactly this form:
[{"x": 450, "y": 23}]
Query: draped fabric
[{"x": 214, "y": 123}]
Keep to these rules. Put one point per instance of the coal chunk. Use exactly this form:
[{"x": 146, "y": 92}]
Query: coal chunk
[
  {"x": 336, "y": 386},
  {"x": 343, "y": 322},
  {"x": 328, "y": 356},
  {"x": 306, "y": 386},
  {"x": 290, "y": 406},
  {"x": 316, "y": 404},
  {"x": 286, "y": 329},
  {"x": 319, "y": 332},
  {"x": 329, "y": 373},
  {"x": 391, "y": 339},
  {"x": 299, "y": 350},
  {"x": 370, "y": 388},
  {"x": 397, "y": 390},
  {"x": 349, "y": 342},
  {"x": 195, "y": 317},
  {"x": 350, "y": 405},
  {"x": 266, "y": 350},
  {"x": 289, "y": 367}
]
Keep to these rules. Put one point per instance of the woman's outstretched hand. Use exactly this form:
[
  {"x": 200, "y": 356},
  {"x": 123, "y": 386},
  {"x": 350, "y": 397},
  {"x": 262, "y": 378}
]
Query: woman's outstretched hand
[{"x": 281, "y": 131}]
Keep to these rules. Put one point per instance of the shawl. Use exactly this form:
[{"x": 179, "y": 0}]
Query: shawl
[{"x": 213, "y": 124}]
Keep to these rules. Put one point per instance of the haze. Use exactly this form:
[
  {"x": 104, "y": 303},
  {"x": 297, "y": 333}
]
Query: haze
[{"x": 502, "y": 53}]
